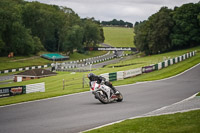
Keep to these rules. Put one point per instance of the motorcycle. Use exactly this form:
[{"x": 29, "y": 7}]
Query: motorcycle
[{"x": 104, "y": 93}]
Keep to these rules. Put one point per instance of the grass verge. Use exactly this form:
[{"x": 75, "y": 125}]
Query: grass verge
[{"x": 187, "y": 122}]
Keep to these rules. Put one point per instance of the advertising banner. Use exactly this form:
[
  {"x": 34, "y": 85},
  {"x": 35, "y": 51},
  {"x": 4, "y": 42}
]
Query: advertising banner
[
  {"x": 11, "y": 91},
  {"x": 132, "y": 72},
  {"x": 17, "y": 90},
  {"x": 148, "y": 69},
  {"x": 110, "y": 49},
  {"x": 4, "y": 92}
]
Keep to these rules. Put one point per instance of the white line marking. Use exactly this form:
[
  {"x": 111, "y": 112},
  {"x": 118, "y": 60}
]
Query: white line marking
[{"x": 45, "y": 99}]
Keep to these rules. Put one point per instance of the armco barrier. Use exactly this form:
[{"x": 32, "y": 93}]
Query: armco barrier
[
  {"x": 132, "y": 72},
  {"x": 173, "y": 61},
  {"x": 113, "y": 76},
  {"x": 148, "y": 69},
  {"x": 105, "y": 75},
  {"x": 120, "y": 75}
]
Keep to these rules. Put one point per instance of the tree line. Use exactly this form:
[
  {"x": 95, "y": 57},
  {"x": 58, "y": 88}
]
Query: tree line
[
  {"x": 116, "y": 22},
  {"x": 169, "y": 29},
  {"x": 29, "y": 27}
]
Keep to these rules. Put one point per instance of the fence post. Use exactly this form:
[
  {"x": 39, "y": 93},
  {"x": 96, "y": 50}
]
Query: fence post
[
  {"x": 63, "y": 84},
  {"x": 83, "y": 80}
]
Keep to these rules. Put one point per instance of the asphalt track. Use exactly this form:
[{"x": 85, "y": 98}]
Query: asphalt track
[{"x": 79, "y": 112}]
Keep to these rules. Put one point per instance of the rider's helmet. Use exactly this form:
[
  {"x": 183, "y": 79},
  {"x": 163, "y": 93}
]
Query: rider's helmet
[{"x": 90, "y": 75}]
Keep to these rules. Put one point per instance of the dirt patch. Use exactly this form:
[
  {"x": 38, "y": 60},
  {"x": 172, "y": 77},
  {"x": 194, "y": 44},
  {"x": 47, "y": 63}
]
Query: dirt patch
[{"x": 24, "y": 59}]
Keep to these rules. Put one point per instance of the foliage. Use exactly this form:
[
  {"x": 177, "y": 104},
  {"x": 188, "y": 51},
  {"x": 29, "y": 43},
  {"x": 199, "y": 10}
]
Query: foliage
[
  {"x": 186, "y": 31},
  {"x": 115, "y": 22},
  {"x": 160, "y": 25},
  {"x": 28, "y": 27},
  {"x": 169, "y": 29},
  {"x": 141, "y": 34},
  {"x": 93, "y": 33},
  {"x": 14, "y": 36},
  {"x": 73, "y": 39}
]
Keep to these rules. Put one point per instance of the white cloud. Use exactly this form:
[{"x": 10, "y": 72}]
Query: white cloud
[{"x": 127, "y": 10}]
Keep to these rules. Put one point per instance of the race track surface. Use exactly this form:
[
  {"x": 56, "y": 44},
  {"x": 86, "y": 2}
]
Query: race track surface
[{"x": 79, "y": 112}]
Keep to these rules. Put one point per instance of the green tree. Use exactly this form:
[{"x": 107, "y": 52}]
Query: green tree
[
  {"x": 93, "y": 33},
  {"x": 141, "y": 34},
  {"x": 160, "y": 27},
  {"x": 39, "y": 18},
  {"x": 169, "y": 29},
  {"x": 73, "y": 39},
  {"x": 14, "y": 36},
  {"x": 186, "y": 32}
]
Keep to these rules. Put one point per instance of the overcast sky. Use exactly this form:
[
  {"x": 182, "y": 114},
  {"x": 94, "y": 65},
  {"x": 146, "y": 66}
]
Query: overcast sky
[{"x": 127, "y": 10}]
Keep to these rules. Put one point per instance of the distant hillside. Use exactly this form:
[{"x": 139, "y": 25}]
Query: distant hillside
[{"x": 118, "y": 36}]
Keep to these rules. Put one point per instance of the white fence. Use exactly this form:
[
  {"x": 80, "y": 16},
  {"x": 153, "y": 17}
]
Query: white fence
[{"x": 38, "y": 87}]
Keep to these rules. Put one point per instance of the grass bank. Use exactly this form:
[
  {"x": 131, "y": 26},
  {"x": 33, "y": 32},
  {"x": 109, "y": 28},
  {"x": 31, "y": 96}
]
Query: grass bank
[
  {"x": 54, "y": 86},
  {"x": 187, "y": 122},
  {"x": 118, "y": 36}
]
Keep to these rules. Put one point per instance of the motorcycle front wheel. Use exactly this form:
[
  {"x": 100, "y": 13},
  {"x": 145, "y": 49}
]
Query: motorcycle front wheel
[{"x": 102, "y": 97}]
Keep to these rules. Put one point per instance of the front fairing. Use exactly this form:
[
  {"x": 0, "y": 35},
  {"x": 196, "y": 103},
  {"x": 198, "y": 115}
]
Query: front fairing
[{"x": 94, "y": 86}]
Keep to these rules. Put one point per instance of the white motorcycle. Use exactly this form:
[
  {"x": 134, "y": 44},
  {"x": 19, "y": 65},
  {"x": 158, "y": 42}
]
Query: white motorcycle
[{"x": 104, "y": 93}]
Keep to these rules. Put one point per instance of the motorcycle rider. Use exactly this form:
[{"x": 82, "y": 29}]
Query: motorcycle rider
[{"x": 101, "y": 80}]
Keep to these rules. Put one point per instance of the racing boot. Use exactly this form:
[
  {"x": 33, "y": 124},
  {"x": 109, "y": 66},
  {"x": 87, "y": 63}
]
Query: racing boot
[{"x": 114, "y": 90}]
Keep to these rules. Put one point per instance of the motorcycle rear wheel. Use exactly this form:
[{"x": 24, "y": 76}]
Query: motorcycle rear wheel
[{"x": 120, "y": 97}]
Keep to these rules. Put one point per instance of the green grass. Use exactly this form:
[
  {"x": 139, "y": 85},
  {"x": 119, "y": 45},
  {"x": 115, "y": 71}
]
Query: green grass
[
  {"x": 78, "y": 56},
  {"x": 187, "y": 122},
  {"x": 136, "y": 62},
  {"x": 118, "y": 36},
  {"x": 54, "y": 84},
  {"x": 24, "y": 61},
  {"x": 17, "y": 62}
]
